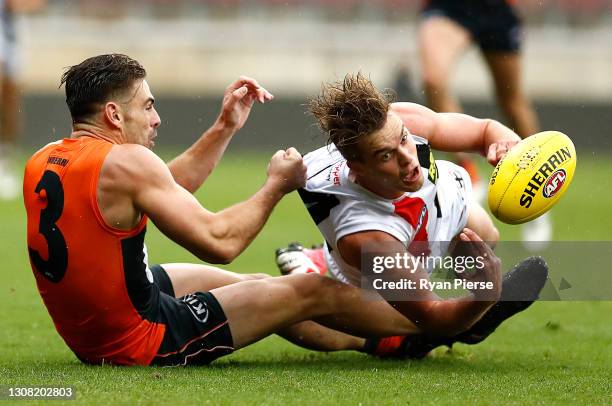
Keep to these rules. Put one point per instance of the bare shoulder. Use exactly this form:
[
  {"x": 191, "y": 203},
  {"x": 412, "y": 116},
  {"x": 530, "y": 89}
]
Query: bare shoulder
[
  {"x": 133, "y": 165},
  {"x": 418, "y": 119},
  {"x": 133, "y": 152},
  {"x": 128, "y": 173},
  {"x": 351, "y": 246}
]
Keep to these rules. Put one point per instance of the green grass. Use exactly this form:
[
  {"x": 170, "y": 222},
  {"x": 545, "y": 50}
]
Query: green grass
[{"x": 553, "y": 353}]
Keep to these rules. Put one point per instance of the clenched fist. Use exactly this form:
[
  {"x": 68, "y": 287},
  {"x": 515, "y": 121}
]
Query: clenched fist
[{"x": 287, "y": 170}]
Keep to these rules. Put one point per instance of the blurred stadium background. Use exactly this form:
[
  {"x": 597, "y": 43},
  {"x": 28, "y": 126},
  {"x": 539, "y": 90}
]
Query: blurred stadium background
[{"x": 193, "y": 48}]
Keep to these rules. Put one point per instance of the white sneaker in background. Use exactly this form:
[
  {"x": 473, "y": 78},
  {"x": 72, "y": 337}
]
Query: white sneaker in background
[
  {"x": 536, "y": 234},
  {"x": 9, "y": 186},
  {"x": 297, "y": 259}
]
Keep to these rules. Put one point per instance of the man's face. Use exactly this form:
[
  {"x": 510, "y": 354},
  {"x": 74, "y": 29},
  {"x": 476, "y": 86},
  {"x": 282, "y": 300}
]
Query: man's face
[
  {"x": 389, "y": 163},
  {"x": 140, "y": 117}
]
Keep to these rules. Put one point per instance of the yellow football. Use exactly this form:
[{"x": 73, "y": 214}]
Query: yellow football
[{"x": 532, "y": 177}]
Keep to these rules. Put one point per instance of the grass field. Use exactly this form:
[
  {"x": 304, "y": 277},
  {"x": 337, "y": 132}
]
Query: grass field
[{"x": 553, "y": 353}]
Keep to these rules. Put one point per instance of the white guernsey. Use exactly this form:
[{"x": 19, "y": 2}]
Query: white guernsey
[{"x": 433, "y": 215}]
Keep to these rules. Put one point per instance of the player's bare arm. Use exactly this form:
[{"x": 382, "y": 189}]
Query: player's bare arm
[
  {"x": 192, "y": 167},
  {"x": 456, "y": 132},
  {"x": 425, "y": 309},
  {"x": 134, "y": 181}
]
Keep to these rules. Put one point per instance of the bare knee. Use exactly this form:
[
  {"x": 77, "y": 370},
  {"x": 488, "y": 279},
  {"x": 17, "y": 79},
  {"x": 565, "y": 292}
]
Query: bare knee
[
  {"x": 515, "y": 106},
  {"x": 316, "y": 292},
  {"x": 434, "y": 83},
  {"x": 310, "y": 284},
  {"x": 438, "y": 94},
  {"x": 512, "y": 105}
]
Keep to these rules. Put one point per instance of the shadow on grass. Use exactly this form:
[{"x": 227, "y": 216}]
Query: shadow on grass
[{"x": 442, "y": 361}]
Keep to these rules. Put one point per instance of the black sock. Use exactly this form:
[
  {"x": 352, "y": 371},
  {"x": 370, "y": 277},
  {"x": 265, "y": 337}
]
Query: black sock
[{"x": 370, "y": 345}]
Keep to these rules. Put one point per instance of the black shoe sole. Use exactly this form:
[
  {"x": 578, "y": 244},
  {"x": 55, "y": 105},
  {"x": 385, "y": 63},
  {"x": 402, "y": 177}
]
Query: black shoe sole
[
  {"x": 521, "y": 287},
  {"x": 294, "y": 246}
]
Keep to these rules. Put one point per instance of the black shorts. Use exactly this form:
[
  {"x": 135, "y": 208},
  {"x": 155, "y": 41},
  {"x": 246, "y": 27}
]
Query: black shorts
[
  {"x": 197, "y": 331},
  {"x": 493, "y": 24}
]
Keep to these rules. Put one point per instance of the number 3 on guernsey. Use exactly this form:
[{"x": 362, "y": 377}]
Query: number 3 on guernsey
[{"x": 55, "y": 267}]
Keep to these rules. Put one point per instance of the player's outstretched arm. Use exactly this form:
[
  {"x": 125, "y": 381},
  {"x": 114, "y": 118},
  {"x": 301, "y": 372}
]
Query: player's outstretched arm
[
  {"x": 424, "y": 308},
  {"x": 213, "y": 237},
  {"x": 456, "y": 132},
  {"x": 192, "y": 167}
]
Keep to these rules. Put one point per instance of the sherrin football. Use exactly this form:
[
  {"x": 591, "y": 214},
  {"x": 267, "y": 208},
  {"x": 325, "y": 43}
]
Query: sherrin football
[{"x": 532, "y": 177}]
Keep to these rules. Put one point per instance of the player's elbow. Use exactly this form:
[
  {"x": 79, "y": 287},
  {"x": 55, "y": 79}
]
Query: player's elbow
[
  {"x": 189, "y": 184},
  {"x": 216, "y": 256},
  {"x": 229, "y": 253},
  {"x": 220, "y": 253},
  {"x": 221, "y": 260},
  {"x": 217, "y": 246}
]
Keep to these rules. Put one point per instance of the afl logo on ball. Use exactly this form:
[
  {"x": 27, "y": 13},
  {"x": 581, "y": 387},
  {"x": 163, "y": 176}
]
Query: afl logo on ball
[{"x": 554, "y": 183}]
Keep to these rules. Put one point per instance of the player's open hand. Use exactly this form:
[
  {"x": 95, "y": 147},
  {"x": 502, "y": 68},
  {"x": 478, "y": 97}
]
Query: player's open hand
[
  {"x": 487, "y": 268},
  {"x": 287, "y": 170},
  {"x": 238, "y": 100},
  {"x": 497, "y": 150}
]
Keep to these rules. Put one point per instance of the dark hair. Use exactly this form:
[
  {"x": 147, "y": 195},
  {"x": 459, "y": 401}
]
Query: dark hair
[
  {"x": 348, "y": 110},
  {"x": 96, "y": 80}
]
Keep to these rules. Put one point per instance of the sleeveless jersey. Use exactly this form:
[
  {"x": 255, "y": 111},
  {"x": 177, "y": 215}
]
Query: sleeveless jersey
[
  {"x": 340, "y": 207},
  {"x": 93, "y": 279}
]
